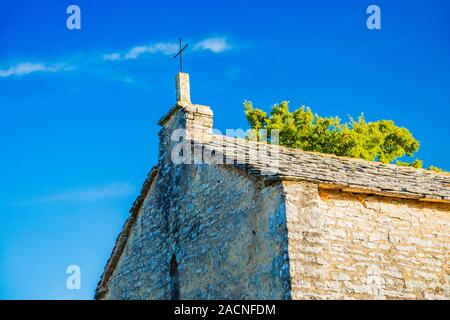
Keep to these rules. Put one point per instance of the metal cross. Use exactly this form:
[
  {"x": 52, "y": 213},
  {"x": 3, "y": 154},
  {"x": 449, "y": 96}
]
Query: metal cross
[{"x": 180, "y": 53}]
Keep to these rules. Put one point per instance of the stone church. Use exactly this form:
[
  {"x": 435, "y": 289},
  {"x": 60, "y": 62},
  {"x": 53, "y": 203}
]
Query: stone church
[{"x": 227, "y": 218}]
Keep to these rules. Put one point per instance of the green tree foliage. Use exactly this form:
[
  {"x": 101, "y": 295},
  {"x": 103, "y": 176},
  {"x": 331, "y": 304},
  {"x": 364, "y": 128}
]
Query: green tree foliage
[
  {"x": 436, "y": 169},
  {"x": 375, "y": 141},
  {"x": 415, "y": 164},
  {"x": 418, "y": 164}
]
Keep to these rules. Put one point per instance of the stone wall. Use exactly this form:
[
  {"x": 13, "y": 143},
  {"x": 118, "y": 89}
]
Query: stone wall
[
  {"x": 355, "y": 246},
  {"x": 225, "y": 230},
  {"x": 202, "y": 231},
  {"x": 268, "y": 222}
]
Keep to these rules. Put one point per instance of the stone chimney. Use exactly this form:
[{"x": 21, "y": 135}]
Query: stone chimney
[
  {"x": 184, "y": 121},
  {"x": 183, "y": 88}
]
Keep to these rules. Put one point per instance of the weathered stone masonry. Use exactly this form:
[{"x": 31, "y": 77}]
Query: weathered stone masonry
[
  {"x": 349, "y": 245},
  {"x": 318, "y": 227}
]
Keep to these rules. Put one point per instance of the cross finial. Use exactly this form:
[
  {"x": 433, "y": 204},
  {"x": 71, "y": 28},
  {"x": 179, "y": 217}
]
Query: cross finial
[{"x": 180, "y": 53}]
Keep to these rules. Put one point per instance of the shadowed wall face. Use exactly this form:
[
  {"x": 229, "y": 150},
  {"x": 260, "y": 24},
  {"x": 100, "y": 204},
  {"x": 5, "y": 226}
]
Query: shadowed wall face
[{"x": 204, "y": 232}]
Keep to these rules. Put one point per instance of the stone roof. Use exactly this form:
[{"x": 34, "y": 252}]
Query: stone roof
[{"x": 349, "y": 174}]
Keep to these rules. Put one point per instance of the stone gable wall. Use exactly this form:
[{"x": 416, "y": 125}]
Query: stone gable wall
[
  {"x": 203, "y": 231},
  {"x": 226, "y": 230}
]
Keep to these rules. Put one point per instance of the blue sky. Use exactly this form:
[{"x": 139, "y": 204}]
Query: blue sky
[{"x": 78, "y": 109}]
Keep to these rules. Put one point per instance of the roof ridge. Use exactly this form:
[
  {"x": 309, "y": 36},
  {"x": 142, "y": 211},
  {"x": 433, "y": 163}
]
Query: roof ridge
[{"x": 330, "y": 155}]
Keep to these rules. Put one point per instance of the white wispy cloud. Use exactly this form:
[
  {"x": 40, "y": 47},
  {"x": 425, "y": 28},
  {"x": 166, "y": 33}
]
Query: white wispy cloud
[
  {"x": 164, "y": 48},
  {"x": 82, "y": 195},
  {"x": 111, "y": 56},
  {"x": 27, "y": 68},
  {"x": 136, "y": 52},
  {"x": 216, "y": 45}
]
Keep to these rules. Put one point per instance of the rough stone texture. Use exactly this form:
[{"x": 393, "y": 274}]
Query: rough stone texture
[
  {"x": 227, "y": 230},
  {"x": 223, "y": 250},
  {"x": 355, "y": 175},
  {"x": 237, "y": 219},
  {"x": 354, "y": 246},
  {"x": 183, "y": 88}
]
